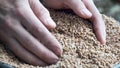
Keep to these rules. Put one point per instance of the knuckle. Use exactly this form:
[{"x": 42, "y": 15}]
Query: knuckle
[{"x": 10, "y": 22}]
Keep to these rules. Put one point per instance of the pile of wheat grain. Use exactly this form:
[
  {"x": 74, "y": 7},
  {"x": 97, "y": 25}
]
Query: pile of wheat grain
[{"x": 80, "y": 46}]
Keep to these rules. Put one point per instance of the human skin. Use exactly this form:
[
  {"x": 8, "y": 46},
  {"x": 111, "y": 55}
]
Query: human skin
[
  {"x": 24, "y": 27},
  {"x": 85, "y": 9}
]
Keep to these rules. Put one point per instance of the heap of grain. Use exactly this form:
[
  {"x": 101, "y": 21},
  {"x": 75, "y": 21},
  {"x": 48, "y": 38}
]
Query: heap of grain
[{"x": 80, "y": 46}]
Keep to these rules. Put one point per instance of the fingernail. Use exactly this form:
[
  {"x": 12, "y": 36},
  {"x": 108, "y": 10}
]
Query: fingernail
[
  {"x": 86, "y": 13},
  {"x": 54, "y": 60},
  {"x": 103, "y": 39},
  {"x": 59, "y": 51},
  {"x": 103, "y": 42},
  {"x": 50, "y": 23}
]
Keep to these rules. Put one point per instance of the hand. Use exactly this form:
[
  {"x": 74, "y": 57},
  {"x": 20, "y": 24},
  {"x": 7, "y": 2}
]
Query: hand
[
  {"x": 85, "y": 9},
  {"x": 22, "y": 28}
]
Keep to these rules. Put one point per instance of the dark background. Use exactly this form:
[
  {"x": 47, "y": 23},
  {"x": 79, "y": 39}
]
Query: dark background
[{"x": 109, "y": 7}]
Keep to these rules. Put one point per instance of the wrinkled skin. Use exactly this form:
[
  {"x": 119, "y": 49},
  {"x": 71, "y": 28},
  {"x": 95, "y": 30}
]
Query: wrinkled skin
[{"x": 24, "y": 27}]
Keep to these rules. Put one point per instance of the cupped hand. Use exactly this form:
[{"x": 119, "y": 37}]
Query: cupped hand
[
  {"x": 23, "y": 27},
  {"x": 85, "y": 9}
]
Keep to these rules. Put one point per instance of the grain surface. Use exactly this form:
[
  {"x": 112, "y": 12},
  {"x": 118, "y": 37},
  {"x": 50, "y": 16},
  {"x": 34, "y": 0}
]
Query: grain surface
[{"x": 80, "y": 46}]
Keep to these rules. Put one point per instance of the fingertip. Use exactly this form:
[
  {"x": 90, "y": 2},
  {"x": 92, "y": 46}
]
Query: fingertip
[
  {"x": 50, "y": 24},
  {"x": 100, "y": 28},
  {"x": 103, "y": 42},
  {"x": 58, "y": 49},
  {"x": 100, "y": 34},
  {"x": 102, "y": 38},
  {"x": 54, "y": 60},
  {"x": 84, "y": 13},
  {"x": 59, "y": 52}
]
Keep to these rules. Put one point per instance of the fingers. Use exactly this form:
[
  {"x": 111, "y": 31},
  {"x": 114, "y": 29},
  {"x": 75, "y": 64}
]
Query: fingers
[
  {"x": 37, "y": 29},
  {"x": 20, "y": 51},
  {"x": 34, "y": 46},
  {"x": 79, "y": 8},
  {"x": 98, "y": 23},
  {"x": 42, "y": 13},
  {"x": 29, "y": 42}
]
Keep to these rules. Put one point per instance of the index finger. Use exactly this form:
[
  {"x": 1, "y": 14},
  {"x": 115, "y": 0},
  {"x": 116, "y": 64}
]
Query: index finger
[{"x": 98, "y": 23}]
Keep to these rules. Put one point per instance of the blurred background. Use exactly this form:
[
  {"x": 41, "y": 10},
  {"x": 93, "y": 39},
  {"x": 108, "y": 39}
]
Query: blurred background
[{"x": 109, "y": 7}]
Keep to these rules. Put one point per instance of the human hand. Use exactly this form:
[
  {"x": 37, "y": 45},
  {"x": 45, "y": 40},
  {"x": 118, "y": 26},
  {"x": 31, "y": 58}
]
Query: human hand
[
  {"x": 85, "y": 9},
  {"x": 22, "y": 28}
]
